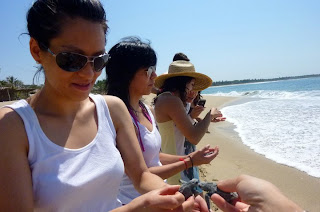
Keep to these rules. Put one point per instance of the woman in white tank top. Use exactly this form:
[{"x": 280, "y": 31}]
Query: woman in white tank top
[
  {"x": 61, "y": 149},
  {"x": 130, "y": 75}
]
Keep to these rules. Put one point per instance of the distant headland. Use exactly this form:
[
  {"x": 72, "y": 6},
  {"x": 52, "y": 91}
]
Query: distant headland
[{"x": 233, "y": 82}]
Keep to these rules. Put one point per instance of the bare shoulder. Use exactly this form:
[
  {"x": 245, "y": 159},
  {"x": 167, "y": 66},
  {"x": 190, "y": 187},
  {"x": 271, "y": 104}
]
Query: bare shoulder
[
  {"x": 113, "y": 100},
  {"x": 12, "y": 129},
  {"x": 118, "y": 109},
  {"x": 115, "y": 104},
  {"x": 167, "y": 107},
  {"x": 167, "y": 100},
  {"x": 8, "y": 117}
]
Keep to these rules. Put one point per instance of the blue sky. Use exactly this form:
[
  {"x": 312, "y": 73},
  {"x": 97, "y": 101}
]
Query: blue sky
[{"x": 225, "y": 39}]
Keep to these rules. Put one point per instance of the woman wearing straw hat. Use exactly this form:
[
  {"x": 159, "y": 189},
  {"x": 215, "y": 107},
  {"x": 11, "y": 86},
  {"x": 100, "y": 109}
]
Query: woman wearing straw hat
[{"x": 173, "y": 122}]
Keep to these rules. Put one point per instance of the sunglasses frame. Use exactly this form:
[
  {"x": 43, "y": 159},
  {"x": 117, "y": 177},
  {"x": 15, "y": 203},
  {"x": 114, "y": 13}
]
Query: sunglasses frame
[
  {"x": 90, "y": 59},
  {"x": 150, "y": 70}
]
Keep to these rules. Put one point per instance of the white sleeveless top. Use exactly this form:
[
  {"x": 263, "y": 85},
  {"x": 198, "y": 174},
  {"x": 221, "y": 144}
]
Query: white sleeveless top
[
  {"x": 152, "y": 144},
  {"x": 85, "y": 179}
]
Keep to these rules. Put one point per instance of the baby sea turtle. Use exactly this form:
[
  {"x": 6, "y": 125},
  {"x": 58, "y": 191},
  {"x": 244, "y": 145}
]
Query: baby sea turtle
[
  {"x": 189, "y": 188},
  {"x": 212, "y": 188}
]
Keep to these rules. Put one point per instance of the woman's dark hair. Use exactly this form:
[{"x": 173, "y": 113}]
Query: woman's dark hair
[
  {"x": 197, "y": 98},
  {"x": 126, "y": 58},
  {"x": 176, "y": 84},
  {"x": 46, "y": 18},
  {"x": 180, "y": 56}
]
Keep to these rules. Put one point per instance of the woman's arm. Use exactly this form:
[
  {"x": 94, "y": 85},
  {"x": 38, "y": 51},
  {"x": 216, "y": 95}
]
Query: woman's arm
[
  {"x": 128, "y": 145},
  {"x": 15, "y": 175},
  {"x": 170, "y": 107},
  {"x": 173, "y": 165}
]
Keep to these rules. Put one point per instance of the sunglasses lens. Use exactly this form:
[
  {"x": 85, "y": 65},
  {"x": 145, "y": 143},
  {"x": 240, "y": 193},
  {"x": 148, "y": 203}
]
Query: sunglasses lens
[
  {"x": 100, "y": 62},
  {"x": 70, "y": 62}
]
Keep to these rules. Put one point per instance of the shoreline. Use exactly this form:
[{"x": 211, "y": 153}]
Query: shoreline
[{"x": 235, "y": 158}]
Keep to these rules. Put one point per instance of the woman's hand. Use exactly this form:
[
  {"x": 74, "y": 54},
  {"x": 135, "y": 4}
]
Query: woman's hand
[
  {"x": 215, "y": 113},
  {"x": 218, "y": 119},
  {"x": 160, "y": 200},
  {"x": 254, "y": 195},
  {"x": 204, "y": 155},
  {"x": 195, "y": 112}
]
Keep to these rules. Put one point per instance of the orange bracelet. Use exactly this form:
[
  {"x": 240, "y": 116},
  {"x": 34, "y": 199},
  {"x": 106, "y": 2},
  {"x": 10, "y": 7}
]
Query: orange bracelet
[{"x": 185, "y": 163}]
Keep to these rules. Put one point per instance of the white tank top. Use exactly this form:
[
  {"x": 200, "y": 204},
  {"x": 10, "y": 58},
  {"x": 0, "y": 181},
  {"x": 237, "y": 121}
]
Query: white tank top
[
  {"x": 85, "y": 179},
  {"x": 152, "y": 144}
]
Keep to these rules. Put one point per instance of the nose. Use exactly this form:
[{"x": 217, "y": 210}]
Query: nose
[
  {"x": 87, "y": 71},
  {"x": 153, "y": 75}
]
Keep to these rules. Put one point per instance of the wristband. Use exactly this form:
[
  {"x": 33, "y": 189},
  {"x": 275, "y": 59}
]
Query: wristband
[
  {"x": 190, "y": 160},
  {"x": 185, "y": 163}
]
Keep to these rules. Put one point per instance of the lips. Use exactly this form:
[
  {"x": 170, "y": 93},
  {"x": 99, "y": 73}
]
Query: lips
[{"x": 82, "y": 86}]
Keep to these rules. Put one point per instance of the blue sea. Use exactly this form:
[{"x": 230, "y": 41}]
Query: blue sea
[{"x": 279, "y": 119}]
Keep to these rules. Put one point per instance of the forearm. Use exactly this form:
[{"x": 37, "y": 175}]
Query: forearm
[
  {"x": 149, "y": 182},
  {"x": 171, "y": 169},
  {"x": 199, "y": 130},
  {"x": 168, "y": 158}
]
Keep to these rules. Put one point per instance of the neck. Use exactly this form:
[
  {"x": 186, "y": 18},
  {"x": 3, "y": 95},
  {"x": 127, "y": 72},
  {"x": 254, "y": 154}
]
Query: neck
[
  {"x": 134, "y": 101},
  {"x": 50, "y": 103}
]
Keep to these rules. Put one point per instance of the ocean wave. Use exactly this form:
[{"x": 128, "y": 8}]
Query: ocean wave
[
  {"x": 272, "y": 94},
  {"x": 285, "y": 131}
]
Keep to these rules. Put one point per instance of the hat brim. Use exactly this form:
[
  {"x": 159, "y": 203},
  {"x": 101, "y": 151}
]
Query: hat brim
[{"x": 202, "y": 81}]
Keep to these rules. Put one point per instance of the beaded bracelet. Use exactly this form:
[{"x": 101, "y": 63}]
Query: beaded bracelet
[{"x": 185, "y": 163}]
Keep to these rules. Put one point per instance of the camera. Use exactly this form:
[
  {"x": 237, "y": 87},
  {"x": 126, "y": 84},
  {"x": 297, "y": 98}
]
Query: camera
[{"x": 202, "y": 102}]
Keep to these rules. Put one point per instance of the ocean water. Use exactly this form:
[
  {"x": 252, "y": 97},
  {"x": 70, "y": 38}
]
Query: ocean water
[{"x": 280, "y": 120}]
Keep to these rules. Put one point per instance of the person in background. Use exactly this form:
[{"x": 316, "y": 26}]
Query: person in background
[
  {"x": 254, "y": 195},
  {"x": 194, "y": 110},
  {"x": 68, "y": 148},
  {"x": 131, "y": 71},
  {"x": 170, "y": 109}
]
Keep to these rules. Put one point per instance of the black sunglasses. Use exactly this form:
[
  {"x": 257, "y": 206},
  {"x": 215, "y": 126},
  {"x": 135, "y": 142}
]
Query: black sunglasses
[{"x": 73, "y": 62}]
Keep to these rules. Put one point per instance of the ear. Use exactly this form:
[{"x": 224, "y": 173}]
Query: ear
[{"x": 35, "y": 50}]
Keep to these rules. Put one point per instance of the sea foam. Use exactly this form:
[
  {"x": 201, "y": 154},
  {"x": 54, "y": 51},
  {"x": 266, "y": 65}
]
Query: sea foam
[{"x": 283, "y": 129}]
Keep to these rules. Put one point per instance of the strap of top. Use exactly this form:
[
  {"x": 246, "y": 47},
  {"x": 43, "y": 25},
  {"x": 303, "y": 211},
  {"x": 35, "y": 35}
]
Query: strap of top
[{"x": 135, "y": 119}]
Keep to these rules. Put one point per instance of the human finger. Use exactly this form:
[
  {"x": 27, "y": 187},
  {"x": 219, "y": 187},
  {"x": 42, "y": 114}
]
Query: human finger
[
  {"x": 168, "y": 198},
  {"x": 223, "y": 204},
  {"x": 200, "y": 205},
  {"x": 218, "y": 119},
  {"x": 188, "y": 205},
  {"x": 211, "y": 151},
  {"x": 229, "y": 185}
]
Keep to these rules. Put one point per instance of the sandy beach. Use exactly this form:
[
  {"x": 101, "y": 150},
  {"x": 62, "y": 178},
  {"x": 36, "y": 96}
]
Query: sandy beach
[{"x": 235, "y": 158}]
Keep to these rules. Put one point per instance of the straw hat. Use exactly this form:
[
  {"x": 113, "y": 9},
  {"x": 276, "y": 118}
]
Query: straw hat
[{"x": 184, "y": 68}]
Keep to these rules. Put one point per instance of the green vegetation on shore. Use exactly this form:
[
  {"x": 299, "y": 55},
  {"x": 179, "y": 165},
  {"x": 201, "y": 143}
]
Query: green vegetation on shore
[
  {"x": 12, "y": 88},
  {"x": 218, "y": 83}
]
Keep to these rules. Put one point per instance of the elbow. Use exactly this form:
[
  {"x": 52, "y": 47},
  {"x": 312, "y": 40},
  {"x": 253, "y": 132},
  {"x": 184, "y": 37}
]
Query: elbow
[{"x": 194, "y": 140}]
